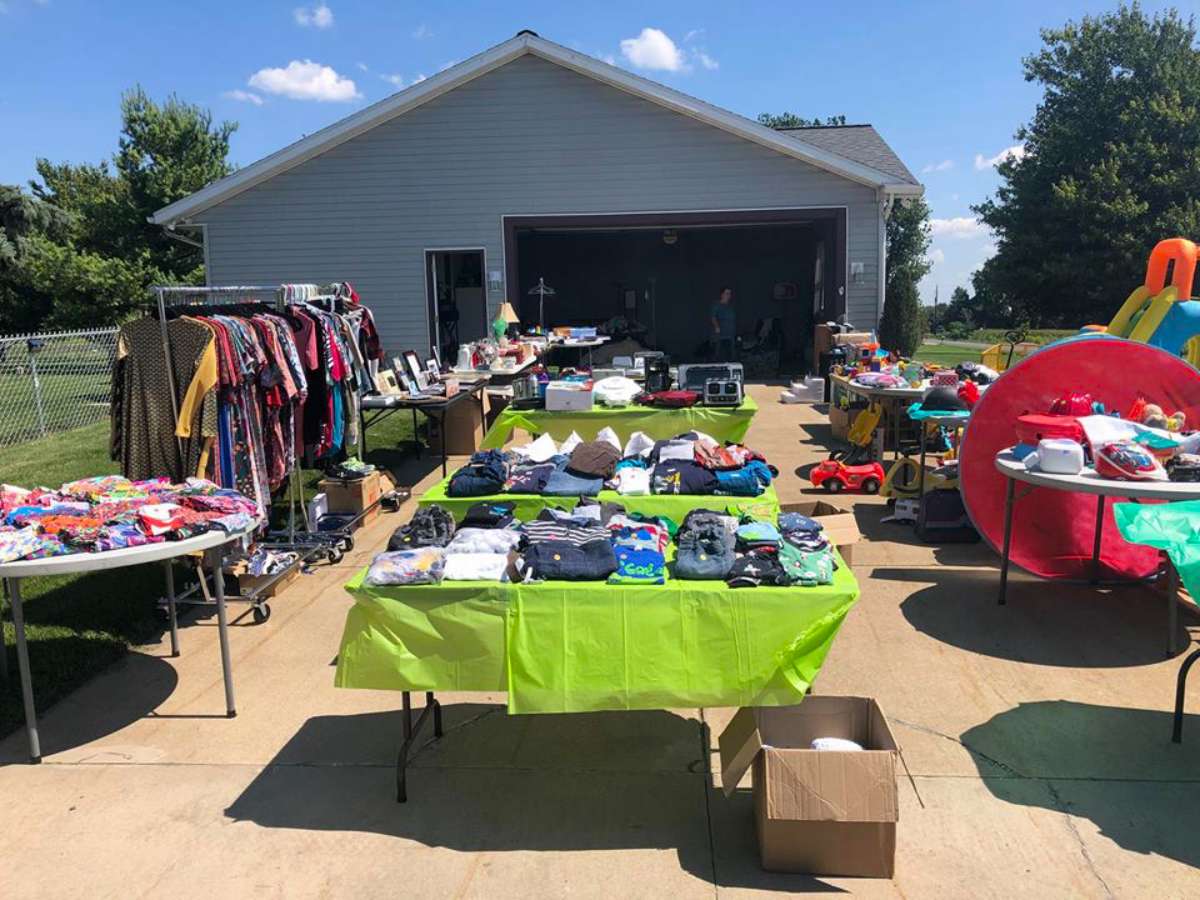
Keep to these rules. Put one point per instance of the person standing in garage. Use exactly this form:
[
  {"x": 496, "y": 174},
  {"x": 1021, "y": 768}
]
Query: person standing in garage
[{"x": 724, "y": 324}]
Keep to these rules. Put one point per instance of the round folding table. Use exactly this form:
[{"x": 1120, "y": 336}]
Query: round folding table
[
  {"x": 1088, "y": 482},
  {"x": 212, "y": 544}
]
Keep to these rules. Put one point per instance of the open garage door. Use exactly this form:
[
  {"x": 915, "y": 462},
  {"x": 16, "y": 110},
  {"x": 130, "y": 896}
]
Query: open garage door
[{"x": 787, "y": 269}]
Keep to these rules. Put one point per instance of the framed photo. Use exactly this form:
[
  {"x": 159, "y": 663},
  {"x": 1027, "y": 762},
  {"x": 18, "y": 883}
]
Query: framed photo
[
  {"x": 435, "y": 356},
  {"x": 431, "y": 367},
  {"x": 410, "y": 385},
  {"x": 385, "y": 382},
  {"x": 398, "y": 369},
  {"x": 412, "y": 365}
]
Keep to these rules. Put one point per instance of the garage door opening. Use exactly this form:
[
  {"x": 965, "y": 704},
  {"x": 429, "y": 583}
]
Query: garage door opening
[{"x": 663, "y": 273}]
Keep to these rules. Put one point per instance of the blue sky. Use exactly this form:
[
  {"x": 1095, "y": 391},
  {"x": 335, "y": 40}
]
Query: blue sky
[{"x": 942, "y": 82}]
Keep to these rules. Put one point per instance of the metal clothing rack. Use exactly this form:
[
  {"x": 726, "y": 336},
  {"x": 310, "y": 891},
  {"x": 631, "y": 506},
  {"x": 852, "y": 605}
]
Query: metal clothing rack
[{"x": 306, "y": 544}]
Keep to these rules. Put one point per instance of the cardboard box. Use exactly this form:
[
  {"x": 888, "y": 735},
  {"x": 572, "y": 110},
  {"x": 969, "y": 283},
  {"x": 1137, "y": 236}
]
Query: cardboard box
[
  {"x": 839, "y": 524},
  {"x": 464, "y": 429},
  {"x": 839, "y": 421},
  {"x": 567, "y": 395},
  {"x": 821, "y": 812},
  {"x": 352, "y": 497}
]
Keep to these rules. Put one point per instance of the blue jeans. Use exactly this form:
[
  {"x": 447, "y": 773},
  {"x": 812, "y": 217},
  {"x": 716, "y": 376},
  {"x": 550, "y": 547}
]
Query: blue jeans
[{"x": 725, "y": 349}]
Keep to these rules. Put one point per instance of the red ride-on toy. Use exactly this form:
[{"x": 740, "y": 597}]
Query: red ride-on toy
[{"x": 835, "y": 475}]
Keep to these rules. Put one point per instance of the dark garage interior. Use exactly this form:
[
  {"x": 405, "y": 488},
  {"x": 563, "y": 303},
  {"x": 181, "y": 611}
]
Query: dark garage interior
[{"x": 667, "y": 278}]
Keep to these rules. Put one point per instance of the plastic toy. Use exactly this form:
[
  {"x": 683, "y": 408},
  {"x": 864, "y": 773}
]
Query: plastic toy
[
  {"x": 1161, "y": 314},
  {"x": 834, "y": 475}
]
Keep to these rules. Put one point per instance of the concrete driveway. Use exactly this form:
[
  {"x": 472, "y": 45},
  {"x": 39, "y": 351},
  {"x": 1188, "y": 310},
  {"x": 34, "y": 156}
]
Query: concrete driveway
[{"x": 1035, "y": 738}]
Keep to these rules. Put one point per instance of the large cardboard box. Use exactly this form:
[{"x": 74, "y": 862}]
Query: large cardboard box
[
  {"x": 821, "y": 812},
  {"x": 352, "y": 497},
  {"x": 839, "y": 421},
  {"x": 838, "y": 524},
  {"x": 464, "y": 429}
]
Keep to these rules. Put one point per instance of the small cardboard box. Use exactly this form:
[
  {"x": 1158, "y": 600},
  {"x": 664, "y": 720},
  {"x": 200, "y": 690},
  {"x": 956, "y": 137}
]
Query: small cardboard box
[
  {"x": 568, "y": 395},
  {"x": 352, "y": 497},
  {"x": 464, "y": 429},
  {"x": 838, "y": 524},
  {"x": 821, "y": 812}
]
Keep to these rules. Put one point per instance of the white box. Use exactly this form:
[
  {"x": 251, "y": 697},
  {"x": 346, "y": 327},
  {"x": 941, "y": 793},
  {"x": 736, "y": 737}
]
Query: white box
[{"x": 567, "y": 395}]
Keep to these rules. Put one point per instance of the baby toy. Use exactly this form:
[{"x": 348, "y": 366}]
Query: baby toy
[{"x": 834, "y": 476}]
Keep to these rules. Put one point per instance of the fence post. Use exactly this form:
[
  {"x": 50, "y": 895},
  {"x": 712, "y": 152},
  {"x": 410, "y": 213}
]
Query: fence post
[{"x": 33, "y": 345}]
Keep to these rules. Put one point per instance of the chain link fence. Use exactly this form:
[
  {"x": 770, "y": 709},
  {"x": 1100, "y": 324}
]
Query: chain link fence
[{"x": 54, "y": 381}]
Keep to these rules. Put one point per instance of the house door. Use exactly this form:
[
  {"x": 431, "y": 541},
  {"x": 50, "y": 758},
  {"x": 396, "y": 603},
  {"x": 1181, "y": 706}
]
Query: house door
[{"x": 456, "y": 299}]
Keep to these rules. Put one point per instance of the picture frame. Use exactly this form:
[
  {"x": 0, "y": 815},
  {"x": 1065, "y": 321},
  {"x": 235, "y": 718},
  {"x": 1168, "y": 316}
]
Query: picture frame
[
  {"x": 386, "y": 383},
  {"x": 431, "y": 367},
  {"x": 412, "y": 365}
]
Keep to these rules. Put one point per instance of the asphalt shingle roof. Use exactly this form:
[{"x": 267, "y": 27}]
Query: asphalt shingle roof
[{"x": 860, "y": 143}]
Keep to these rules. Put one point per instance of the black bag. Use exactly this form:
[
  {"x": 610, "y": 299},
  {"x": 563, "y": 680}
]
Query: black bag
[{"x": 944, "y": 519}]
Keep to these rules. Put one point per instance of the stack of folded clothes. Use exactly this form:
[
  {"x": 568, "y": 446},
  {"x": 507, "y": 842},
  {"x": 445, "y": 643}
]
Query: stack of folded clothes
[
  {"x": 598, "y": 541},
  {"x": 691, "y": 463},
  {"x": 95, "y": 515},
  {"x": 485, "y": 473}
]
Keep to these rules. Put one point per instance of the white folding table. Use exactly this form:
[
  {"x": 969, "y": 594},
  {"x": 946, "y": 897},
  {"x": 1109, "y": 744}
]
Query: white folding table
[
  {"x": 1088, "y": 482},
  {"x": 211, "y": 543}
]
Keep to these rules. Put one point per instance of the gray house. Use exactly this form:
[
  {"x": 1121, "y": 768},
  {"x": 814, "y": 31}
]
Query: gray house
[{"x": 534, "y": 162}]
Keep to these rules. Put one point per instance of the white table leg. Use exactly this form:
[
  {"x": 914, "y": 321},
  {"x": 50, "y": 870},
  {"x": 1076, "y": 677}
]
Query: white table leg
[{"x": 18, "y": 614}]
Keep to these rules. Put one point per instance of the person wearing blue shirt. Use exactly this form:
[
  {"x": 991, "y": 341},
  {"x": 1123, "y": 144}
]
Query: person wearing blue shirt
[{"x": 724, "y": 324}]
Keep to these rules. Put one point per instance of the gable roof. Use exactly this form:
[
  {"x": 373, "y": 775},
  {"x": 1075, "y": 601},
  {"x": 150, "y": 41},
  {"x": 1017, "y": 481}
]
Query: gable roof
[
  {"x": 861, "y": 143},
  {"x": 526, "y": 42}
]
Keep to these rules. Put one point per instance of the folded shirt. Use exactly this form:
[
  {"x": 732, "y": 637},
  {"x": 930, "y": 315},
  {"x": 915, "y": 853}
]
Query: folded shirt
[
  {"x": 560, "y": 561},
  {"x": 738, "y": 483},
  {"x": 568, "y": 484},
  {"x": 594, "y": 459},
  {"x": 679, "y": 477},
  {"x": 475, "y": 566},
  {"x": 423, "y": 566},
  {"x": 677, "y": 449},
  {"x": 430, "y": 526},
  {"x": 538, "y": 451},
  {"x": 632, "y": 481},
  {"x": 805, "y": 567},
  {"x": 756, "y": 570},
  {"x": 637, "y": 564},
  {"x": 494, "y": 514},
  {"x": 485, "y": 540},
  {"x": 794, "y": 521},
  {"x": 756, "y": 535},
  {"x": 570, "y": 532},
  {"x": 529, "y": 479}
]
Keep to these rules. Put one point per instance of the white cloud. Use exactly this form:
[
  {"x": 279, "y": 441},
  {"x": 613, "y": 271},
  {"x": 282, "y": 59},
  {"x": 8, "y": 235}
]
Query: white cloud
[
  {"x": 420, "y": 77},
  {"x": 936, "y": 256},
  {"x": 453, "y": 62},
  {"x": 608, "y": 58},
  {"x": 1016, "y": 151},
  {"x": 960, "y": 227},
  {"x": 652, "y": 49},
  {"x": 944, "y": 165},
  {"x": 243, "y": 96},
  {"x": 362, "y": 67},
  {"x": 705, "y": 60},
  {"x": 422, "y": 31},
  {"x": 692, "y": 35},
  {"x": 396, "y": 81},
  {"x": 319, "y": 16},
  {"x": 305, "y": 80}
]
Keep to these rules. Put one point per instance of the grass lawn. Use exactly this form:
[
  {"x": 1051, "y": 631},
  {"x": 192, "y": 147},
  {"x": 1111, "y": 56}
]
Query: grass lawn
[
  {"x": 947, "y": 354},
  {"x": 77, "y": 625}
]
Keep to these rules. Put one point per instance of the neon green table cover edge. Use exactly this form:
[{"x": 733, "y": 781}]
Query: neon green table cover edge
[
  {"x": 584, "y": 646},
  {"x": 723, "y": 423},
  {"x": 527, "y": 506}
]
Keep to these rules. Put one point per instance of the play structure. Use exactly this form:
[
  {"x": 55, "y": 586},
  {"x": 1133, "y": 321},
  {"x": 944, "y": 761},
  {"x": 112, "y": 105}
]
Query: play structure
[
  {"x": 1055, "y": 537},
  {"x": 1161, "y": 311}
]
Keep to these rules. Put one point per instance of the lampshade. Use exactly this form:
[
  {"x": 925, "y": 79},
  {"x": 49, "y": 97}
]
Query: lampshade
[{"x": 507, "y": 313}]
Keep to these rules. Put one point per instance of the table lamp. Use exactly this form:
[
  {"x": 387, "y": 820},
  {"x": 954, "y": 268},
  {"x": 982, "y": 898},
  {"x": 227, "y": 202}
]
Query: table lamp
[{"x": 505, "y": 316}]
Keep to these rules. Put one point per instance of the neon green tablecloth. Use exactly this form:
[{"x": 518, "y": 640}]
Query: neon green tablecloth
[
  {"x": 576, "y": 647},
  {"x": 676, "y": 506},
  {"x": 722, "y": 423}
]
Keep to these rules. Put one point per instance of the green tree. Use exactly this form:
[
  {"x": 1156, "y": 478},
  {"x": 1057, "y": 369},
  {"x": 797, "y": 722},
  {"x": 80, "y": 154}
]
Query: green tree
[
  {"x": 1110, "y": 165},
  {"x": 93, "y": 264},
  {"x": 791, "y": 120},
  {"x": 901, "y": 327},
  {"x": 902, "y": 324}
]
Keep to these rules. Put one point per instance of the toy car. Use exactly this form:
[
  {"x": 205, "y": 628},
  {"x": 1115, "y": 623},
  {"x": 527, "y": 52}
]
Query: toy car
[{"x": 834, "y": 475}]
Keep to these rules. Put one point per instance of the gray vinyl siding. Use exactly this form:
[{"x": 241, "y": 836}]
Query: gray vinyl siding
[{"x": 528, "y": 138}]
